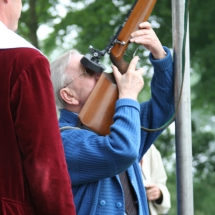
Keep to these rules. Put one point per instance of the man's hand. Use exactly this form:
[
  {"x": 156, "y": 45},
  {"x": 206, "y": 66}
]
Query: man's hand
[
  {"x": 147, "y": 37},
  {"x": 130, "y": 83},
  {"x": 153, "y": 192}
]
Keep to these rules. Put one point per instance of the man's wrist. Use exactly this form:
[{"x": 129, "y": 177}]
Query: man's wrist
[{"x": 160, "y": 55}]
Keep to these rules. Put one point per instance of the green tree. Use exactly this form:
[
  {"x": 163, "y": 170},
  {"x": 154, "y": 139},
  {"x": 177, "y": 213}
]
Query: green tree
[{"x": 34, "y": 14}]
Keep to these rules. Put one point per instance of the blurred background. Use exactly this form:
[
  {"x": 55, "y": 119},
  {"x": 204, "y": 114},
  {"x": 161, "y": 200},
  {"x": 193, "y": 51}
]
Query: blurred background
[{"x": 55, "y": 26}]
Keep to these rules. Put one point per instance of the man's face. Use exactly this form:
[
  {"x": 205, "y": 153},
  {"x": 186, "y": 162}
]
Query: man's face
[{"x": 83, "y": 80}]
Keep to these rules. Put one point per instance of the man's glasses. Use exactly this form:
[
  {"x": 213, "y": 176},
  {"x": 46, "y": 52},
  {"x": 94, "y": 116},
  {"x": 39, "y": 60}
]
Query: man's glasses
[
  {"x": 74, "y": 79},
  {"x": 87, "y": 71}
]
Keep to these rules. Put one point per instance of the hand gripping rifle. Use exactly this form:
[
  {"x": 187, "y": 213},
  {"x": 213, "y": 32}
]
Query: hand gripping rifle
[{"x": 97, "y": 113}]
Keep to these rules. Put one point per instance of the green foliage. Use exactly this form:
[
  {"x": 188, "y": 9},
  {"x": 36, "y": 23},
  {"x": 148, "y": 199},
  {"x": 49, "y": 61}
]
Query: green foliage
[
  {"x": 204, "y": 196},
  {"x": 171, "y": 185},
  {"x": 166, "y": 144},
  {"x": 202, "y": 35},
  {"x": 34, "y": 14},
  {"x": 94, "y": 25},
  {"x": 203, "y": 153},
  {"x": 162, "y": 14}
]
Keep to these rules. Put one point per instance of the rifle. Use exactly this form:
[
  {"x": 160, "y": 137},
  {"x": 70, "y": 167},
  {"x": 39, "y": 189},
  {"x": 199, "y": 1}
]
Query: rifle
[{"x": 97, "y": 113}]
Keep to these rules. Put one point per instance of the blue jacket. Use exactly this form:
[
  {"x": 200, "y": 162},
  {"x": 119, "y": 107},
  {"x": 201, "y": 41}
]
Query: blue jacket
[{"x": 94, "y": 162}]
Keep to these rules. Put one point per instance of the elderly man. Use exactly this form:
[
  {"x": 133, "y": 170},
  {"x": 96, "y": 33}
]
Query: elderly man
[
  {"x": 100, "y": 166},
  {"x": 33, "y": 174}
]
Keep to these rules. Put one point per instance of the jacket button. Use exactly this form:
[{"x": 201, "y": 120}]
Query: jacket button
[
  {"x": 118, "y": 204},
  {"x": 102, "y": 202}
]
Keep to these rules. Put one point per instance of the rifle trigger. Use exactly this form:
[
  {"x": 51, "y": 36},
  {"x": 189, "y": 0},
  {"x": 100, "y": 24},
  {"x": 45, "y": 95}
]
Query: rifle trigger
[{"x": 135, "y": 51}]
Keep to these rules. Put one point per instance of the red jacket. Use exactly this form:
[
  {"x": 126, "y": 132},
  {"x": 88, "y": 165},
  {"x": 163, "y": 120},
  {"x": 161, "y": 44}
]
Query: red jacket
[{"x": 33, "y": 170}]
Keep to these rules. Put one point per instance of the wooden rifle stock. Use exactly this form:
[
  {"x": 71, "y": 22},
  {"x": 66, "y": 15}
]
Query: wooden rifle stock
[{"x": 97, "y": 113}]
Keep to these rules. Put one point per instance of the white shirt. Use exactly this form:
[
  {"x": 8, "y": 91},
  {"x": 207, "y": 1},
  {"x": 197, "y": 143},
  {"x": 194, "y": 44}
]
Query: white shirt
[{"x": 9, "y": 39}]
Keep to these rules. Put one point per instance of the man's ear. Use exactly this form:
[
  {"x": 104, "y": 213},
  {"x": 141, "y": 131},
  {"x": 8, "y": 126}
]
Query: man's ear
[{"x": 68, "y": 96}]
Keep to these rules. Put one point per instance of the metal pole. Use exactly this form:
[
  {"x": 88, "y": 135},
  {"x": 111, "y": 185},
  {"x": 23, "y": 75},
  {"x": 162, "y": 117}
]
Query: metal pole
[{"x": 183, "y": 119}]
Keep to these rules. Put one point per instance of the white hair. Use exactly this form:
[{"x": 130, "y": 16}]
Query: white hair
[{"x": 59, "y": 76}]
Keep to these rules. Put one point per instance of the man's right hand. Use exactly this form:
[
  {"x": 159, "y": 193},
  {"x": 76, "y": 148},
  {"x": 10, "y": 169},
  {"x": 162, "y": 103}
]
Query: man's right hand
[
  {"x": 153, "y": 192},
  {"x": 130, "y": 83}
]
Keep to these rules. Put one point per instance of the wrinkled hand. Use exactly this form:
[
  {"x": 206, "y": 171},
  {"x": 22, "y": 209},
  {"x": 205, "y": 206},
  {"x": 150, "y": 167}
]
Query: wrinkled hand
[
  {"x": 153, "y": 192},
  {"x": 130, "y": 83},
  {"x": 147, "y": 37}
]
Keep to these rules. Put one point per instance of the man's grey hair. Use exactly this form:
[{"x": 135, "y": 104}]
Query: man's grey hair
[{"x": 59, "y": 76}]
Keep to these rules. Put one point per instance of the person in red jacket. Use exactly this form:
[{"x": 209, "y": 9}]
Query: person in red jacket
[{"x": 33, "y": 171}]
